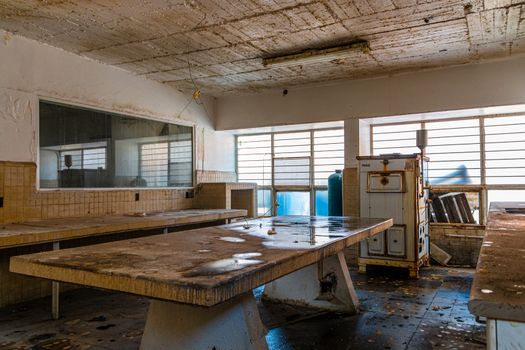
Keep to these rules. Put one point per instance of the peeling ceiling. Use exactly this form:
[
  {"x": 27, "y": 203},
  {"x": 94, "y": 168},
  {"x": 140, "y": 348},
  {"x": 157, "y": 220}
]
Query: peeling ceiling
[{"x": 218, "y": 45}]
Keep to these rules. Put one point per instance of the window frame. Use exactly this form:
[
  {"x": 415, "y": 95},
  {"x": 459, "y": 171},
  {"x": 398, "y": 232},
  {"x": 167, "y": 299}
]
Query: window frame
[
  {"x": 80, "y": 105},
  {"x": 482, "y": 188},
  {"x": 312, "y": 188}
]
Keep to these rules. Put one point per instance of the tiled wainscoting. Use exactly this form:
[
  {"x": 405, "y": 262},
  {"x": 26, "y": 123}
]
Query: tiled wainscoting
[
  {"x": 21, "y": 200},
  {"x": 215, "y": 176}
]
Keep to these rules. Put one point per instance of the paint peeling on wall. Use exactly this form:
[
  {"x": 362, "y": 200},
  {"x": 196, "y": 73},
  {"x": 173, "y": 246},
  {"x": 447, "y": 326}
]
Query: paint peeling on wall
[
  {"x": 16, "y": 118},
  {"x": 14, "y": 109},
  {"x": 7, "y": 37}
]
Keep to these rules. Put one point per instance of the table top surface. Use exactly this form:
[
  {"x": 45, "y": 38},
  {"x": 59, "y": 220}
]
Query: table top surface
[
  {"x": 203, "y": 266},
  {"x": 498, "y": 289},
  {"x": 49, "y": 230}
]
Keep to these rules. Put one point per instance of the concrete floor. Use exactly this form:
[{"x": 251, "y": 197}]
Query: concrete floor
[{"x": 397, "y": 314}]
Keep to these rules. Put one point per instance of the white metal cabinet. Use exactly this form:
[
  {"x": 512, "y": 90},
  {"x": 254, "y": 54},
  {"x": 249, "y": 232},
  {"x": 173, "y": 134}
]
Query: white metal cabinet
[{"x": 392, "y": 186}]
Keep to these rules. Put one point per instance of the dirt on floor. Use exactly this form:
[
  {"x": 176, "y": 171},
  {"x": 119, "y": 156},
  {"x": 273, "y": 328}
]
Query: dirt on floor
[{"x": 396, "y": 313}]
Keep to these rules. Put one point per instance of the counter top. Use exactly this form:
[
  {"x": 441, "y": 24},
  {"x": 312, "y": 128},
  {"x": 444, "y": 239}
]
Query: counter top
[
  {"x": 50, "y": 230},
  {"x": 498, "y": 289},
  {"x": 204, "y": 266}
]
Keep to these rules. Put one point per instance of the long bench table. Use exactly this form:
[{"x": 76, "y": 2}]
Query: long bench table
[
  {"x": 201, "y": 280},
  {"x": 58, "y": 230},
  {"x": 55, "y": 230},
  {"x": 498, "y": 288}
]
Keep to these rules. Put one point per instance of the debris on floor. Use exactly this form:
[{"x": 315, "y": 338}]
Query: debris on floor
[{"x": 397, "y": 313}]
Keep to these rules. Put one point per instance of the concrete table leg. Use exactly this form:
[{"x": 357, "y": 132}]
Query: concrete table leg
[
  {"x": 325, "y": 285},
  {"x": 55, "y": 292},
  {"x": 234, "y": 324},
  {"x": 503, "y": 334}
]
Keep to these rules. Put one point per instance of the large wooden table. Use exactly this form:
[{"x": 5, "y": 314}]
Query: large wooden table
[
  {"x": 498, "y": 289},
  {"x": 61, "y": 229},
  {"x": 201, "y": 280}
]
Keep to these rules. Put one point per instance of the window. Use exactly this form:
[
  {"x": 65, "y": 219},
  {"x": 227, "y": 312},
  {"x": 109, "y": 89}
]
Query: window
[
  {"x": 293, "y": 203},
  {"x": 395, "y": 138},
  {"x": 166, "y": 163},
  {"x": 454, "y": 151},
  {"x": 505, "y": 150},
  {"x": 85, "y": 148},
  {"x": 329, "y": 154},
  {"x": 292, "y": 167},
  {"x": 453, "y": 148},
  {"x": 85, "y": 158},
  {"x": 154, "y": 163},
  {"x": 254, "y": 159},
  {"x": 485, "y": 154}
]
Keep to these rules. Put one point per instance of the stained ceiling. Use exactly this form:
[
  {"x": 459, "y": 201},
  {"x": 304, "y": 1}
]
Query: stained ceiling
[{"x": 218, "y": 45}]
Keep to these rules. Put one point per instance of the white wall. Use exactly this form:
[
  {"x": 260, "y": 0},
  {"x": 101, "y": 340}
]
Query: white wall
[
  {"x": 495, "y": 83},
  {"x": 30, "y": 70},
  {"x": 357, "y": 141}
]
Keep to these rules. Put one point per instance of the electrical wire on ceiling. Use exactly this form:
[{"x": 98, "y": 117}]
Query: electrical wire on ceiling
[{"x": 195, "y": 96}]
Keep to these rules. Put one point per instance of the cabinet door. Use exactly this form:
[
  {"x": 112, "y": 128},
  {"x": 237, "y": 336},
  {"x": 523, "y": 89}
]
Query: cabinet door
[
  {"x": 423, "y": 240},
  {"x": 388, "y": 182},
  {"x": 396, "y": 241},
  {"x": 376, "y": 244}
]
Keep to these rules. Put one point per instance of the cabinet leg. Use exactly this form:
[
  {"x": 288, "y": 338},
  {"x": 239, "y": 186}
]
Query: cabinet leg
[
  {"x": 413, "y": 273},
  {"x": 362, "y": 268}
]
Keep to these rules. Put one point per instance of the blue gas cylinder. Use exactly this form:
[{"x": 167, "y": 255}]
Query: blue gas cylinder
[{"x": 335, "y": 194}]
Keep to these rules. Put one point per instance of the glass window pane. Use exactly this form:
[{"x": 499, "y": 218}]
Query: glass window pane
[
  {"x": 506, "y": 196},
  {"x": 294, "y": 144},
  {"x": 254, "y": 159},
  {"x": 454, "y": 152},
  {"x": 328, "y": 154},
  {"x": 505, "y": 150},
  {"x": 292, "y": 171},
  {"x": 321, "y": 203},
  {"x": 292, "y": 161},
  {"x": 181, "y": 161},
  {"x": 395, "y": 139},
  {"x": 264, "y": 203},
  {"x": 94, "y": 158},
  {"x": 110, "y": 150},
  {"x": 453, "y": 148},
  {"x": 293, "y": 203},
  {"x": 154, "y": 164}
]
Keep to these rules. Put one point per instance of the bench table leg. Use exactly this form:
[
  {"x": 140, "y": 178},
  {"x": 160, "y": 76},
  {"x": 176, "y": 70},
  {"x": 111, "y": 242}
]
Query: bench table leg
[
  {"x": 326, "y": 285},
  {"x": 234, "y": 324},
  {"x": 55, "y": 292}
]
